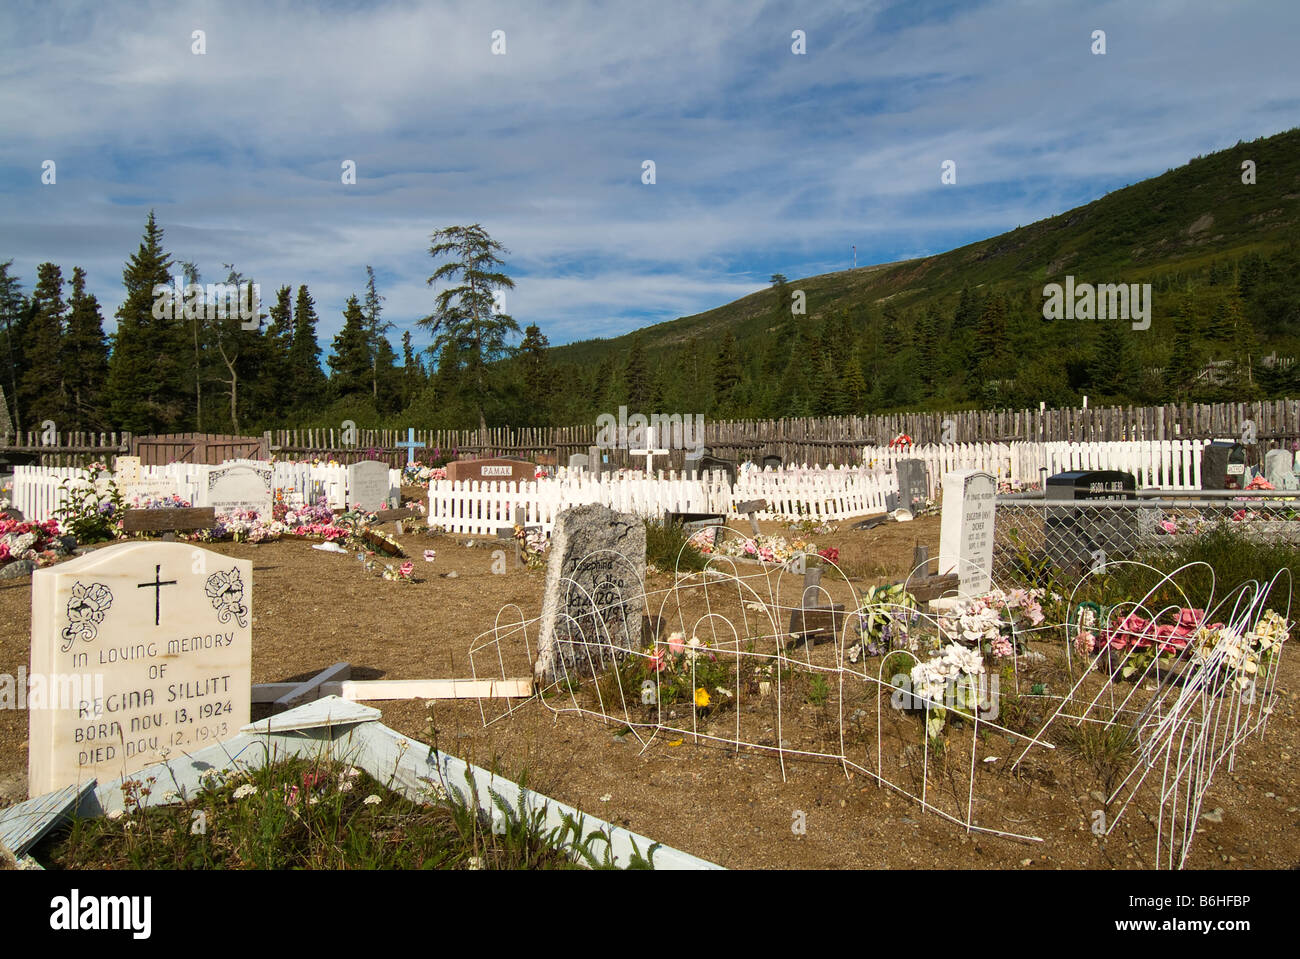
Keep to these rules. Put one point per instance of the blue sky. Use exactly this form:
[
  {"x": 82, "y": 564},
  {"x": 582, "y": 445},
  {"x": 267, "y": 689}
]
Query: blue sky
[{"x": 766, "y": 161}]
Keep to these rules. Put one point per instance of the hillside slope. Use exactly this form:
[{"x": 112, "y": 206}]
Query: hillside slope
[{"x": 1220, "y": 254}]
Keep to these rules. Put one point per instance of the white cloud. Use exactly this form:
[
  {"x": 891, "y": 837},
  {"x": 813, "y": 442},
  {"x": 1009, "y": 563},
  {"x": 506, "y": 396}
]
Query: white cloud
[{"x": 765, "y": 161}]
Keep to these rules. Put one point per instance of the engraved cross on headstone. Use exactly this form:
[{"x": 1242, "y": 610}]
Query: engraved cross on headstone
[{"x": 157, "y": 585}]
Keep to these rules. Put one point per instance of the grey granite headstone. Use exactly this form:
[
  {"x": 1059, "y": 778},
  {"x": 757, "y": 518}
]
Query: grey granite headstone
[
  {"x": 579, "y": 461},
  {"x": 913, "y": 485},
  {"x": 370, "y": 486},
  {"x": 595, "y": 591}
]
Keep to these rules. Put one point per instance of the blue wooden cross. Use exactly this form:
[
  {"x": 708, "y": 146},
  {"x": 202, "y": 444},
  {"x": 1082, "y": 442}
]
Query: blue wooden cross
[{"x": 410, "y": 446}]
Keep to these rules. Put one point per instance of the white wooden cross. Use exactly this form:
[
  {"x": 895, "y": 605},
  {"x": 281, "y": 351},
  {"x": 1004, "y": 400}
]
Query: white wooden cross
[{"x": 649, "y": 452}]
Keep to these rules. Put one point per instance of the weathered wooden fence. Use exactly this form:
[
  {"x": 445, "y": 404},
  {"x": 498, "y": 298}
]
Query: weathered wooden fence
[
  {"x": 209, "y": 448},
  {"x": 834, "y": 440}
]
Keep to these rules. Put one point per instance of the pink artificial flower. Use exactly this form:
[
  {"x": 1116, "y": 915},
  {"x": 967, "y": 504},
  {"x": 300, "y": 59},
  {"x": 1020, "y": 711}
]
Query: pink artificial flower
[
  {"x": 1085, "y": 644},
  {"x": 1189, "y": 618},
  {"x": 429, "y": 555},
  {"x": 1001, "y": 647},
  {"x": 1168, "y": 526},
  {"x": 658, "y": 659},
  {"x": 406, "y": 569},
  {"x": 676, "y": 644}
]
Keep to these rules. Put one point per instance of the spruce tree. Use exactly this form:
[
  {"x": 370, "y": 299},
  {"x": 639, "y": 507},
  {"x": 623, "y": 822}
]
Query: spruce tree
[
  {"x": 349, "y": 359},
  {"x": 146, "y": 389},
  {"x": 726, "y": 372},
  {"x": 306, "y": 380},
  {"x": 413, "y": 376},
  {"x": 636, "y": 377},
  {"x": 13, "y": 310},
  {"x": 466, "y": 313},
  {"x": 85, "y": 357},
  {"x": 273, "y": 400},
  {"x": 535, "y": 371},
  {"x": 42, "y": 390},
  {"x": 377, "y": 341}
]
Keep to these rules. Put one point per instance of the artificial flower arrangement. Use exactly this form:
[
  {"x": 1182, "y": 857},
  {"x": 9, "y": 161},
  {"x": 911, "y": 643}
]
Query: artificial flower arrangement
[
  {"x": 991, "y": 621},
  {"x": 764, "y": 549},
  {"x": 169, "y": 501},
  {"x": 885, "y": 619},
  {"x": 949, "y": 678},
  {"x": 686, "y": 667},
  {"x": 419, "y": 474},
  {"x": 1131, "y": 643},
  {"x": 405, "y": 573},
  {"x": 1247, "y": 657},
  {"x": 533, "y": 546},
  {"x": 811, "y": 527},
  {"x": 41, "y": 543}
]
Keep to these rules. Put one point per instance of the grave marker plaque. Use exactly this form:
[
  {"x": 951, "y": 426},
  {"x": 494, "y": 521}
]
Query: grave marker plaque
[
  {"x": 492, "y": 471},
  {"x": 143, "y": 651},
  {"x": 966, "y": 529},
  {"x": 595, "y": 591},
  {"x": 239, "y": 485},
  {"x": 370, "y": 486}
]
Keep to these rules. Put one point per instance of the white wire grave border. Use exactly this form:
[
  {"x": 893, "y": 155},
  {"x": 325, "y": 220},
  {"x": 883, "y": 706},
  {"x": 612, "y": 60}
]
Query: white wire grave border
[
  {"x": 1189, "y": 727},
  {"x": 1186, "y": 729}
]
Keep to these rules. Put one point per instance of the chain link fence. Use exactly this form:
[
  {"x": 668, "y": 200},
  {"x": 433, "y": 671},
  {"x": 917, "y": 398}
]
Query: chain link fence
[{"x": 1034, "y": 537}]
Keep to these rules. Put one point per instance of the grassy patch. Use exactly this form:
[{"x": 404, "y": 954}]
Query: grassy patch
[
  {"x": 1234, "y": 559},
  {"x": 667, "y": 547},
  {"x": 321, "y": 814}
]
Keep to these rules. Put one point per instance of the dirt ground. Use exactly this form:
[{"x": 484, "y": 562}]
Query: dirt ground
[{"x": 312, "y": 609}]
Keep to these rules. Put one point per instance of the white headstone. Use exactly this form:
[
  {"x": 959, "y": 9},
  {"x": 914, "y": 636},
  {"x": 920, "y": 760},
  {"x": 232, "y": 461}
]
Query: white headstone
[
  {"x": 1279, "y": 469},
  {"x": 370, "y": 486},
  {"x": 239, "y": 485},
  {"x": 966, "y": 529},
  {"x": 142, "y": 651}
]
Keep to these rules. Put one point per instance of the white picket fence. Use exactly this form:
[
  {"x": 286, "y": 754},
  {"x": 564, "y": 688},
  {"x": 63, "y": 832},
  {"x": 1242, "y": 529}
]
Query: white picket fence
[
  {"x": 824, "y": 494},
  {"x": 1157, "y": 464},
  {"x": 481, "y": 508},
  {"x": 38, "y": 491}
]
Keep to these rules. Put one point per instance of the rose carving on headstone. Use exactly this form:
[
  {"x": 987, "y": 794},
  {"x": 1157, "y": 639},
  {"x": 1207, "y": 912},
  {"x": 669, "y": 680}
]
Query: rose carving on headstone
[
  {"x": 226, "y": 590},
  {"x": 86, "y": 609}
]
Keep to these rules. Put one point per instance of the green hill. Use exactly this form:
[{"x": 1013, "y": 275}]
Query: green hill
[{"x": 965, "y": 328}]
